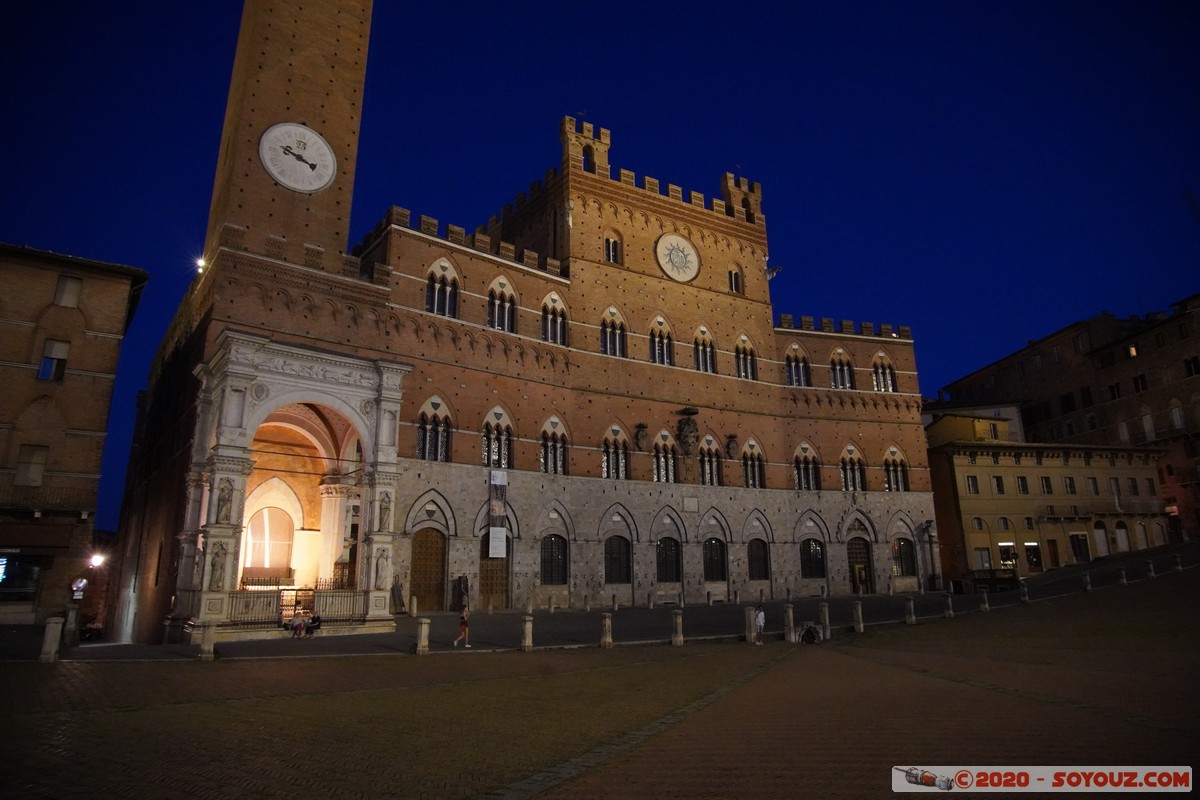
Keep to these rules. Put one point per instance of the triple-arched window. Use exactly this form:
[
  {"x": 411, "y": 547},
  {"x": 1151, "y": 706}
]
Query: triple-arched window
[
  {"x": 704, "y": 353},
  {"x": 754, "y": 470},
  {"x": 441, "y": 295},
  {"x": 796, "y": 371},
  {"x": 433, "y": 437},
  {"x": 552, "y": 457},
  {"x": 854, "y": 474},
  {"x": 614, "y": 457},
  {"x": 662, "y": 350},
  {"x": 497, "y": 445},
  {"x": 895, "y": 475},
  {"x": 612, "y": 338},
  {"x": 554, "y": 324},
  {"x": 666, "y": 460},
  {"x": 746, "y": 362},
  {"x": 710, "y": 465},
  {"x": 807, "y": 472},
  {"x": 883, "y": 376},
  {"x": 502, "y": 310},
  {"x": 841, "y": 372}
]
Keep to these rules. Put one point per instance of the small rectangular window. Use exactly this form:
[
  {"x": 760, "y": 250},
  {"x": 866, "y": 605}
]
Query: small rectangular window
[
  {"x": 1022, "y": 484},
  {"x": 998, "y": 484},
  {"x": 972, "y": 484},
  {"x": 1133, "y": 487},
  {"x": 54, "y": 360},
  {"x": 1047, "y": 486},
  {"x": 1069, "y": 484},
  {"x": 67, "y": 293},
  {"x": 31, "y": 465}
]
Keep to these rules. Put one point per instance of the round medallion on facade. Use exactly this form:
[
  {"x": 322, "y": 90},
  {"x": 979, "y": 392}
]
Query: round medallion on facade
[
  {"x": 297, "y": 157},
  {"x": 677, "y": 257}
]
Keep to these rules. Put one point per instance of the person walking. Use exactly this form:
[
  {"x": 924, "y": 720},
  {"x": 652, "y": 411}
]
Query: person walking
[
  {"x": 760, "y": 622},
  {"x": 464, "y": 628}
]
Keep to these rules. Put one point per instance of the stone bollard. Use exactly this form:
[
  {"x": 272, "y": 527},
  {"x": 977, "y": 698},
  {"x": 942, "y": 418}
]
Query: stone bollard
[
  {"x": 948, "y": 613},
  {"x": 1150, "y": 569},
  {"x": 789, "y": 625},
  {"x": 1024, "y": 592},
  {"x": 1121, "y": 578},
  {"x": 762, "y": 595},
  {"x": 529, "y": 606},
  {"x": 51, "y": 639},
  {"x": 70, "y": 633},
  {"x": 650, "y": 600},
  {"x": 423, "y": 636},
  {"x": 749, "y": 633},
  {"x": 825, "y": 629},
  {"x": 208, "y": 642},
  {"x": 412, "y": 606},
  {"x": 710, "y": 598},
  {"x": 1087, "y": 581},
  {"x": 677, "y": 631},
  {"x": 587, "y": 602},
  {"x": 789, "y": 594},
  {"x": 910, "y": 611},
  {"x": 527, "y": 634},
  {"x": 615, "y": 606},
  {"x": 551, "y": 609},
  {"x": 984, "y": 605},
  {"x": 1178, "y": 563},
  {"x": 858, "y": 618},
  {"x": 681, "y": 598},
  {"x": 737, "y": 597},
  {"x": 490, "y": 607},
  {"x": 606, "y": 630}
]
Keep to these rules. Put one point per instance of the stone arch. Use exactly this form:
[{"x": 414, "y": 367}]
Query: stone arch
[
  {"x": 810, "y": 525},
  {"x": 617, "y": 519},
  {"x": 714, "y": 524},
  {"x": 847, "y": 524},
  {"x": 751, "y": 530},
  {"x": 431, "y": 510},
  {"x": 567, "y": 522},
  {"x": 667, "y": 522}
]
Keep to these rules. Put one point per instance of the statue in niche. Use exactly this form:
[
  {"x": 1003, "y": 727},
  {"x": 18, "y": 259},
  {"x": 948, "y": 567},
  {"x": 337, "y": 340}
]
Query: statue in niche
[
  {"x": 688, "y": 434},
  {"x": 383, "y": 572},
  {"x": 216, "y": 578},
  {"x": 224, "y": 501},
  {"x": 385, "y": 512}
]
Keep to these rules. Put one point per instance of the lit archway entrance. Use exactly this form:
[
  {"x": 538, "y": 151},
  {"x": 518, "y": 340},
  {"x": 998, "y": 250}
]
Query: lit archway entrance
[
  {"x": 862, "y": 576},
  {"x": 268, "y": 552},
  {"x": 429, "y": 570}
]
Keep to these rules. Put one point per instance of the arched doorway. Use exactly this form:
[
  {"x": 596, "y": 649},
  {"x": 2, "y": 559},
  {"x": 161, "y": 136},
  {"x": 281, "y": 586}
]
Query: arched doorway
[
  {"x": 858, "y": 556},
  {"x": 429, "y": 570},
  {"x": 301, "y": 517},
  {"x": 493, "y": 574}
]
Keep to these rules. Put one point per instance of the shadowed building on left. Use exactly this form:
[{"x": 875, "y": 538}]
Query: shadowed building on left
[{"x": 63, "y": 320}]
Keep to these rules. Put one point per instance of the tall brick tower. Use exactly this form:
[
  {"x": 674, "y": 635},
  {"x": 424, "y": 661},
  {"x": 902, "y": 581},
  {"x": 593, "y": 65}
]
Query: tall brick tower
[{"x": 300, "y": 65}]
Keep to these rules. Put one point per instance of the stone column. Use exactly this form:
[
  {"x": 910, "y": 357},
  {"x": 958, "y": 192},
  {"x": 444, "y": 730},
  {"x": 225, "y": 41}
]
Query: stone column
[
  {"x": 789, "y": 624},
  {"x": 527, "y": 634},
  {"x": 335, "y": 498},
  {"x": 677, "y": 628},
  {"x": 858, "y": 617},
  {"x": 606, "y": 630},
  {"x": 910, "y": 612},
  {"x": 823, "y": 610}
]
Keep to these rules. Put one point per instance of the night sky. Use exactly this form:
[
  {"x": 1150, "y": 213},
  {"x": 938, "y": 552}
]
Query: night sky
[{"x": 985, "y": 172}]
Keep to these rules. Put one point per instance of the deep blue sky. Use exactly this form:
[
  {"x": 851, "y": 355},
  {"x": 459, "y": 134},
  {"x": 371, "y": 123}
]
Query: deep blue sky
[{"x": 985, "y": 172}]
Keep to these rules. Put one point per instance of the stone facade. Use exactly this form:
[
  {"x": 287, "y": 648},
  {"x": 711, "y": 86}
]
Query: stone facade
[{"x": 595, "y": 375}]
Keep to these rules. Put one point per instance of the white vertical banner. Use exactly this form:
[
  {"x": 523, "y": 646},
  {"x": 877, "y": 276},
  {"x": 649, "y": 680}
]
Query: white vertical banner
[{"x": 497, "y": 499}]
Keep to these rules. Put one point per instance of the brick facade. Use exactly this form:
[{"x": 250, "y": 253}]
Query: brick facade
[{"x": 348, "y": 396}]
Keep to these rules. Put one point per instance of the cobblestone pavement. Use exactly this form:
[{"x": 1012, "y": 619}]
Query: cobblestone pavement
[{"x": 1102, "y": 678}]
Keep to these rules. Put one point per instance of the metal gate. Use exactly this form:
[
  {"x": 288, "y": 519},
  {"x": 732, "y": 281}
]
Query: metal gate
[
  {"x": 862, "y": 576},
  {"x": 493, "y": 575},
  {"x": 429, "y": 570}
]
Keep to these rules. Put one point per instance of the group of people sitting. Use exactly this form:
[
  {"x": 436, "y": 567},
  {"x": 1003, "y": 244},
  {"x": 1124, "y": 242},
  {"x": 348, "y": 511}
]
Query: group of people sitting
[{"x": 303, "y": 626}]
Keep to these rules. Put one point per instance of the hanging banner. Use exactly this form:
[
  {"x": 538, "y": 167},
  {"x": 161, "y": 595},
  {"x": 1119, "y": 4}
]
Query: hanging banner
[{"x": 497, "y": 499}]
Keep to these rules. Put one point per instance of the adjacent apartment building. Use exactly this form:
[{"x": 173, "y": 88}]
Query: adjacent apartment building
[
  {"x": 586, "y": 399},
  {"x": 63, "y": 320},
  {"x": 1108, "y": 381},
  {"x": 1008, "y": 509}
]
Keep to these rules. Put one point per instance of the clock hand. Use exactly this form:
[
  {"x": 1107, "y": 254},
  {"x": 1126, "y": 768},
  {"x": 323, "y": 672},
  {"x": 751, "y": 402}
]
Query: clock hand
[{"x": 288, "y": 151}]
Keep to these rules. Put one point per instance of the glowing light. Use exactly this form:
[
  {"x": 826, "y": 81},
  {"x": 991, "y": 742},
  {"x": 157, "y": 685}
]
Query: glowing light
[{"x": 97, "y": 560}]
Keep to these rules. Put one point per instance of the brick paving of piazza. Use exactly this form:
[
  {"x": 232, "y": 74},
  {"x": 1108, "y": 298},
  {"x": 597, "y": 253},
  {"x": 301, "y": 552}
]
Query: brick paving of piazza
[{"x": 1102, "y": 678}]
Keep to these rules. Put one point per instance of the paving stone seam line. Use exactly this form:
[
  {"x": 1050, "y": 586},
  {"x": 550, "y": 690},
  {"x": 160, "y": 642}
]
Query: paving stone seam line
[
  {"x": 535, "y": 785},
  {"x": 1125, "y": 716}
]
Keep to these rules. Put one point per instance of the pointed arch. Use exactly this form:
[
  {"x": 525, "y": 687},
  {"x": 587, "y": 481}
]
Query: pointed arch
[
  {"x": 618, "y": 519},
  {"x": 757, "y": 525},
  {"x": 668, "y": 522},
  {"x": 431, "y": 510}
]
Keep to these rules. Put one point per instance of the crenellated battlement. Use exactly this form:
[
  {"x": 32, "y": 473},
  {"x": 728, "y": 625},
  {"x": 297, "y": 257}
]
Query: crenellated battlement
[
  {"x": 585, "y": 150},
  {"x": 844, "y": 327},
  {"x": 454, "y": 234}
]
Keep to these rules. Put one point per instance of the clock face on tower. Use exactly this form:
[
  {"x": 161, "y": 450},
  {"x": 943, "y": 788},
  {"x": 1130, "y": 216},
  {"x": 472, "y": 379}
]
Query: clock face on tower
[
  {"x": 677, "y": 257},
  {"x": 297, "y": 157}
]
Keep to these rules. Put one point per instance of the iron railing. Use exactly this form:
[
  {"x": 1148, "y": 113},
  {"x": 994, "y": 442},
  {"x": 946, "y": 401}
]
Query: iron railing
[{"x": 271, "y": 608}]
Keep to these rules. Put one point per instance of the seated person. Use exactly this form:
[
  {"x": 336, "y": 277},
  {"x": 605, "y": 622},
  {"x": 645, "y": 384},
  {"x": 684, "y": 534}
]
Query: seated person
[
  {"x": 312, "y": 626},
  {"x": 298, "y": 624}
]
